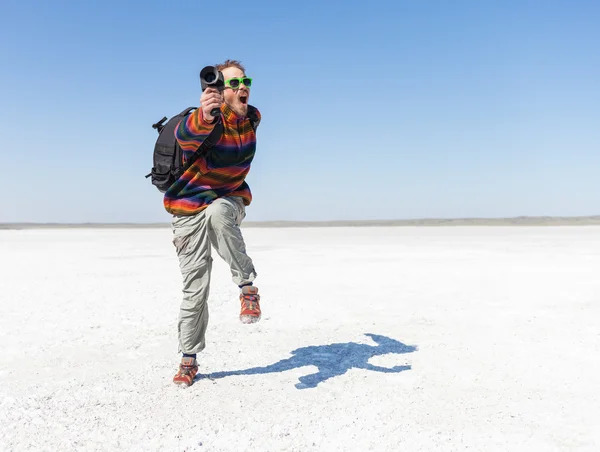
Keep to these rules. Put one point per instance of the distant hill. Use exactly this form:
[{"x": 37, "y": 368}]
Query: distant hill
[{"x": 515, "y": 221}]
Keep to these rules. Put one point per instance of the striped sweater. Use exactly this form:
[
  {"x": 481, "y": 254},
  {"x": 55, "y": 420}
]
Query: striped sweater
[{"x": 221, "y": 171}]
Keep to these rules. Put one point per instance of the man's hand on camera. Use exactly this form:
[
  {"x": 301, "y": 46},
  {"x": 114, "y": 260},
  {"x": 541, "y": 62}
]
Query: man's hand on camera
[{"x": 210, "y": 98}]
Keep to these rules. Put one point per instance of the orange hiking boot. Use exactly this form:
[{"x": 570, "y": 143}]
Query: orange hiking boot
[
  {"x": 249, "y": 299},
  {"x": 186, "y": 373}
]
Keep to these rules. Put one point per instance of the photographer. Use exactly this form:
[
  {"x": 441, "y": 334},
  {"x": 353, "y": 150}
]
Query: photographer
[{"x": 208, "y": 205}]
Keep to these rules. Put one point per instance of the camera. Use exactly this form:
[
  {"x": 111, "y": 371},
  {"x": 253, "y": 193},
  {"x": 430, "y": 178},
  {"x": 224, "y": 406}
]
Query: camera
[{"x": 213, "y": 78}]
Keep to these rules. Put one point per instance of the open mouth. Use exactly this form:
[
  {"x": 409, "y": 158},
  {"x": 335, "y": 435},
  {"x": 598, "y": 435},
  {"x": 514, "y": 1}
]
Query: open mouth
[{"x": 244, "y": 99}]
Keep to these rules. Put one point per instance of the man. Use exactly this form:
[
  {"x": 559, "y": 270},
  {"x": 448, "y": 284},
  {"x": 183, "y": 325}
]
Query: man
[{"x": 208, "y": 205}]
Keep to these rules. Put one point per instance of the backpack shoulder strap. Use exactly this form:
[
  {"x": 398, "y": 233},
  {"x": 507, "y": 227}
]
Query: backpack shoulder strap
[
  {"x": 187, "y": 111},
  {"x": 212, "y": 139},
  {"x": 160, "y": 125},
  {"x": 253, "y": 117}
]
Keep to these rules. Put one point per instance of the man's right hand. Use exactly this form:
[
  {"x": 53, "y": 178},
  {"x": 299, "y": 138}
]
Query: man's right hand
[{"x": 210, "y": 98}]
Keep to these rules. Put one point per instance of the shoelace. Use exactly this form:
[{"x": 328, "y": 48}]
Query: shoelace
[
  {"x": 185, "y": 370},
  {"x": 251, "y": 301}
]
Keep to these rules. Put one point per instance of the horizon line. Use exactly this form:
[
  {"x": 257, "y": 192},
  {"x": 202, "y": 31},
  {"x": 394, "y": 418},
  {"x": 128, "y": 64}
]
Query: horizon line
[{"x": 458, "y": 221}]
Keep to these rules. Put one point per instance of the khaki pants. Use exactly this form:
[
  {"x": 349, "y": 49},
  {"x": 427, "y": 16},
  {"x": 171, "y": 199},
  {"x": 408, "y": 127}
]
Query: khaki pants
[{"x": 217, "y": 225}]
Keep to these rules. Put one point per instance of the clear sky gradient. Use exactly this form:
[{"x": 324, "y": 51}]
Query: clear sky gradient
[{"x": 371, "y": 110}]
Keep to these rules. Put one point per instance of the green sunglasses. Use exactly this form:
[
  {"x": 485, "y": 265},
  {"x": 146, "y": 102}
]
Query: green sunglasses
[{"x": 234, "y": 83}]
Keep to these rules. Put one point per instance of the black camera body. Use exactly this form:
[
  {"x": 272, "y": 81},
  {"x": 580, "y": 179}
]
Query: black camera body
[{"x": 211, "y": 77}]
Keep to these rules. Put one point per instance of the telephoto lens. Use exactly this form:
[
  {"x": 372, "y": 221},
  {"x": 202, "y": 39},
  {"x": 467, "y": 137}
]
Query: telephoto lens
[{"x": 210, "y": 76}]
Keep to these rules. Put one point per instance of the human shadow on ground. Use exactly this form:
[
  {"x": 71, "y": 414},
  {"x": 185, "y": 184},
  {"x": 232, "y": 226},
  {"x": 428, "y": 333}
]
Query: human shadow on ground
[{"x": 332, "y": 360}]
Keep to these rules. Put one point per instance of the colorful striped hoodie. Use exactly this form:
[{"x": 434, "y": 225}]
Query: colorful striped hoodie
[{"x": 221, "y": 171}]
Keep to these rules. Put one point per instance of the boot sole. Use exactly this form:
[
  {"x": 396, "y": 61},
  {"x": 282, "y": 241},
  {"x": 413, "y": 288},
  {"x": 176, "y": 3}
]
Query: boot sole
[{"x": 247, "y": 319}]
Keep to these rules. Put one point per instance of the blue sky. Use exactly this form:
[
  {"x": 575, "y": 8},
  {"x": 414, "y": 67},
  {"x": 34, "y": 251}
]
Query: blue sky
[{"x": 371, "y": 110}]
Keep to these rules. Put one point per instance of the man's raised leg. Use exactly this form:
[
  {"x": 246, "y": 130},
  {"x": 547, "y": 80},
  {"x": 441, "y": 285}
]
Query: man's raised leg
[{"x": 224, "y": 217}]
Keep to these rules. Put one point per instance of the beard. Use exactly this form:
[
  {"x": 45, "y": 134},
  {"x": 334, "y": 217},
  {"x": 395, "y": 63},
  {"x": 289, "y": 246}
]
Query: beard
[
  {"x": 234, "y": 100},
  {"x": 239, "y": 108}
]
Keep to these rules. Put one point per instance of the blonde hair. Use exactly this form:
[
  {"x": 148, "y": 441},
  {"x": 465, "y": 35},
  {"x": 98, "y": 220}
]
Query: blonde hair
[{"x": 231, "y": 63}]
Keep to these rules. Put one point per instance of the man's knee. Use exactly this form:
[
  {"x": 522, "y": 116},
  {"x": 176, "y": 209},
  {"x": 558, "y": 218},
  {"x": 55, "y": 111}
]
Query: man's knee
[
  {"x": 196, "y": 284},
  {"x": 193, "y": 271},
  {"x": 220, "y": 213}
]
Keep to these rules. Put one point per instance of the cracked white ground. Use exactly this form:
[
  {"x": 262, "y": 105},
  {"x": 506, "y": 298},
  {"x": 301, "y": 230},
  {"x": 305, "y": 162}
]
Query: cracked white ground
[{"x": 384, "y": 339}]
